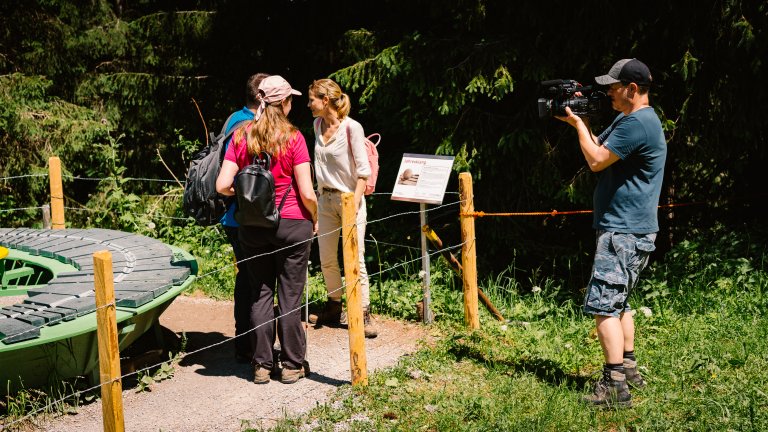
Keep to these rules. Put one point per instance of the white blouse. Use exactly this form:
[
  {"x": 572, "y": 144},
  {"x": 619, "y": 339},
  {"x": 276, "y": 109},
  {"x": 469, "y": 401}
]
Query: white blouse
[{"x": 336, "y": 167}]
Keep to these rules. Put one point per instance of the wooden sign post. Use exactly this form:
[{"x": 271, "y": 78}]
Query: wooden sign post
[{"x": 357, "y": 359}]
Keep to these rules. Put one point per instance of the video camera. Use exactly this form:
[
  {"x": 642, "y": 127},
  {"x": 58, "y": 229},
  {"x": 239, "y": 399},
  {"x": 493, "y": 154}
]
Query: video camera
[{"x": 560, "y": 93}]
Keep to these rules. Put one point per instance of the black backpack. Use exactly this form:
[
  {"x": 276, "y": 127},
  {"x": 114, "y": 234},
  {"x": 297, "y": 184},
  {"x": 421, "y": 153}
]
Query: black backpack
[
  {"x": 255, "y": 192},
  {"x": 201, "y": 201}
]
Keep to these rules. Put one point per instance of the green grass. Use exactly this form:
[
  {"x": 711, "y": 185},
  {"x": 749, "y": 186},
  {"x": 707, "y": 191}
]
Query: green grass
[
  {"x": 702, "y": 345},
  {"x": 705, "y": 372}
]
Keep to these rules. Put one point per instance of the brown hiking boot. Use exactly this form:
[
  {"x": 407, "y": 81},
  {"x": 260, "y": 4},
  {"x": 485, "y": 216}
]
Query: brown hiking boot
[
  {"x": 330, "y": 315},
  {"x": 368, "y": 327},
  {"x": 290, "y": 376},
  {"x": 634, "y": 378},
  {"x": 261, "y": 374},
  {"x": 611, "y": 392}
]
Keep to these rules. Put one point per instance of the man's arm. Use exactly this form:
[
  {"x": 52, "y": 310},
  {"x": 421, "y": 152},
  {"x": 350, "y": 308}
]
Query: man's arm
[{"x": 598, "y": 157}]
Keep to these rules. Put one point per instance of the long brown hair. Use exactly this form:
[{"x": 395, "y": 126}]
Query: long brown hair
[{"x": 270, "y": 133}]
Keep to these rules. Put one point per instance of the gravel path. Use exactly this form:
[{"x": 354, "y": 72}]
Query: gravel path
[{"x": 211, "y": 392}]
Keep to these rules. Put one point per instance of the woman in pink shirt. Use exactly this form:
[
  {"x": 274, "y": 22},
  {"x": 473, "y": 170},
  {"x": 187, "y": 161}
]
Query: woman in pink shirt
[{"x": 281, "y": 254}]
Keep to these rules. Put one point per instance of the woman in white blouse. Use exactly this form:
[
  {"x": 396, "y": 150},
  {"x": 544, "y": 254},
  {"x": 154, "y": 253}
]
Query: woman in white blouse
[{"x": 341, "y": 165}]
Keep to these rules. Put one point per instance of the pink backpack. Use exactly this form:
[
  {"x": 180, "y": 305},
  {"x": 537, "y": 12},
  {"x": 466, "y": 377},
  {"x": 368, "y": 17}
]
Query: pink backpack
[
  {"x": 370, "y": 151},
  {"x": 373, "y": 160}
]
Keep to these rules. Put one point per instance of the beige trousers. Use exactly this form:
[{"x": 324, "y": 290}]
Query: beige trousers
[{"x": 329, "y": 232}]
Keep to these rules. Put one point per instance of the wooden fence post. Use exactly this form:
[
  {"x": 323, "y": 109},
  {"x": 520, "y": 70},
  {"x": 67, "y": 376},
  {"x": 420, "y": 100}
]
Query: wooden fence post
[
  {"x": 468, "y": 252},
  {"x": 358, "y": 362},
  {"x": 109, "y": 352},
  {"x": 46, "y": 216},
  {"x": 57, "y": 192}
]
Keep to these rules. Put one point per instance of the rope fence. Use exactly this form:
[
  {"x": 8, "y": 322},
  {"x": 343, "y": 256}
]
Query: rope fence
[
  {"x": 467, "y": 216},
  {"x": 154, "y": 215},
  {"x": 475, "y": 214},
  {"x": 227, "y": 340},
  {"x": 24, "y": 176},
  {"x": 553, "y": 213},
  {"x": 19, "y": 209}
]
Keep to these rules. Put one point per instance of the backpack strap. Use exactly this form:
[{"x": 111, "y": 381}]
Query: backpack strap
[
  {"x": 226, "y": 122},
  {"x": 282, "y": 201},
  {"x": 378, "y": 139},
  {"x": 234, "y": 129},
  {"x": 349, "y": 143},
  {"x": 223, "y": 129}
]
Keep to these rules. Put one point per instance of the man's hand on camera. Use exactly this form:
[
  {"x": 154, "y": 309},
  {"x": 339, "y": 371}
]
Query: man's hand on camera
[{"x": 570, "y": 118}]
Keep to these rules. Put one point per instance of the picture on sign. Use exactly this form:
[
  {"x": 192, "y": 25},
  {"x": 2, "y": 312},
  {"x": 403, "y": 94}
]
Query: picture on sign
[{"x": 422, "y": 178}]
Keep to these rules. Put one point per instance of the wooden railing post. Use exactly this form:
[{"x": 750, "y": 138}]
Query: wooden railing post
[
  {"x": 57, "y": 192},
  {"x": 468, "y": 252},
  {"x": 358, "y": 363},
  {"x": 46, "y": 216},
  {"x": 109, "y": 351}
]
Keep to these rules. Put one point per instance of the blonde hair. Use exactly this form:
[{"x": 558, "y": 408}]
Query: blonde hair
[
  {"x": 270, "y": 133},
  {"x": 328, "y": 87}
]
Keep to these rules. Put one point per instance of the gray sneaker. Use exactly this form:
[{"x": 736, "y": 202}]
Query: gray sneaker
[
  {"x": 610, "y": 393},
  {"x": 634, "y": 378}
]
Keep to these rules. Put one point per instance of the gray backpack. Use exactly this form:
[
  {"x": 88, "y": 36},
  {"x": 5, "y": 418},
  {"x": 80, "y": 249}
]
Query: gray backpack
[{"x": 201, "y": 201}]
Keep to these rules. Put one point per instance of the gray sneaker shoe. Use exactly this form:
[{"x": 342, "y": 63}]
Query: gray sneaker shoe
[
  {"x": 634, "y": 378},
  {"x": 610, "y": 393},
  {"x": 261, "y": 374}
]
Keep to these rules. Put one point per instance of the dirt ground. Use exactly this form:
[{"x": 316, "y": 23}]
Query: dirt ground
[{"x": 211, "y": 392}]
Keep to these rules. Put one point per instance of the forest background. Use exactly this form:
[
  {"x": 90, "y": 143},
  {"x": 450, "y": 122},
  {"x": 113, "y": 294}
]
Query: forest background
[{"x": 113, "y": 89}]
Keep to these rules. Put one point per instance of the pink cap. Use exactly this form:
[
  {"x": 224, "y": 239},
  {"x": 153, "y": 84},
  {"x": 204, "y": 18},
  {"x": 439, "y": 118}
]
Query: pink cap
[
  {"x": 276, "y": 88},
  {"x": 273, "y": 88}
]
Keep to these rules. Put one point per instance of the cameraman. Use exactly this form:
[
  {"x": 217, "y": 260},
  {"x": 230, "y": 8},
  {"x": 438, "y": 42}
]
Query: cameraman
[{"x": 629, "y": 159}]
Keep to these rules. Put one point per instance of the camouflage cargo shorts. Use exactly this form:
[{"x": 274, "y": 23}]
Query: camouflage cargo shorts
[{"x": 619, "y": 258}]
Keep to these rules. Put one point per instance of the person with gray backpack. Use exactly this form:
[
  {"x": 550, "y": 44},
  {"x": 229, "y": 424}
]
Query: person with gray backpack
[
  {"x": 207, "y": 207},
  {"x": 276, "y": 246},
  {"x": 242, "y": 294}
]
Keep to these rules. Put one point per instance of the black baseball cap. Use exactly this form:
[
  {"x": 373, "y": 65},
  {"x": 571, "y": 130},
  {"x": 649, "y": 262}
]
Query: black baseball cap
[{"x": 627, "y": 71}]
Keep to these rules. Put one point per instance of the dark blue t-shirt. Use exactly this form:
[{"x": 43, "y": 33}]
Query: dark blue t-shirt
[{"x": 626, "y": 198}]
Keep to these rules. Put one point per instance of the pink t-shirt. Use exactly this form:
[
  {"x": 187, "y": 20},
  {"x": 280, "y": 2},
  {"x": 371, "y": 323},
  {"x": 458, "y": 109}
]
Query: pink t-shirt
[{"x": 282, "y": 170}]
